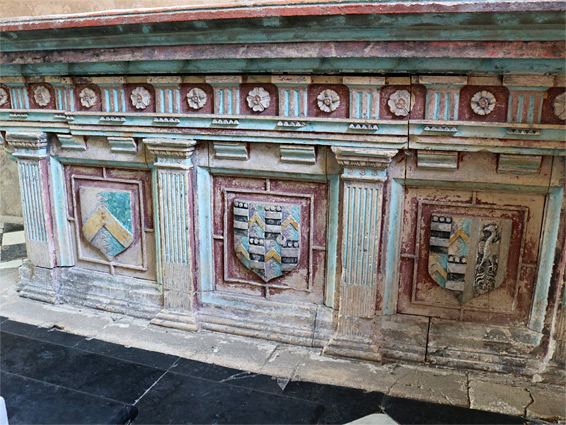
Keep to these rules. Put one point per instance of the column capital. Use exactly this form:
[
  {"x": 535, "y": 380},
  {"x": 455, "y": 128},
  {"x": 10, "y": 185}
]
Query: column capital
[
  {"x": 363, "y": 163},
  {"x": 171, "y": 153},
  {"x": 28, "y": 144}
]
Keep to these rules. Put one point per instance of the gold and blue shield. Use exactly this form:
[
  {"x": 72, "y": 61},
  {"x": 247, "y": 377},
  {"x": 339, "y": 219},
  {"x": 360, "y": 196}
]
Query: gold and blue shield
[
  {"x": 267, "y": 237},
  {"x": 468, "y": 255},
  {"x": 107, "y": 220}
]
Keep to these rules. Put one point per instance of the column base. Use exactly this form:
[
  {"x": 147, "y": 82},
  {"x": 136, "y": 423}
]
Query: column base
[
  {"x": 306, "y": 325},
  {"x": 355, "y": 337},
  {"x": 118, "y": 294},
  {"x": 38, "y": 283},
  {"x": 183, "y": 320}
]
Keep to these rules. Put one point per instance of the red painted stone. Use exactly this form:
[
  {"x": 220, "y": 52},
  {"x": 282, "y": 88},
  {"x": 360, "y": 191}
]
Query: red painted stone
[
  {"x": 129, "y": 88},
  {"x": 208, "y": 107},
  {"x": 251, "y": 10},
  {"x": 76, "y": 94},
  {"x": 548, "y": 116},
  {"x": 343, "y": 110},
  {"x": 338, "y": 49},
  {"x": 417, "y": 112},
  {"x": 499, "y": 114},
  {"x": 33, "y": 104},
  {"x": 272, "y": 109},
  {"x": 232, "y": 276}
]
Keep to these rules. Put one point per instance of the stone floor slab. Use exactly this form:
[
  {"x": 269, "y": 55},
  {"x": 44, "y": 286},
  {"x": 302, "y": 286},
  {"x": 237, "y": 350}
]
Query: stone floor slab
[
  {"x": 337, "y": 371},
  {"x": 289, "y": 363},
  {"x": 37, "y": 402},
  {"x": 252, "y": 354},
  {"x": 436, "y": 386},
  {"x": 284, "y": 360},
  {"x": 548, "y": 405},
  {"x": 499, "y": 398}
]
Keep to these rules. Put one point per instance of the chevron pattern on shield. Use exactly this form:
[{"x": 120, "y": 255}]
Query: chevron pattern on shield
[
  {"x": 267, "y": 237},
  {"x": 468, "y": 255},
  {"x": 107, "y": 220}
]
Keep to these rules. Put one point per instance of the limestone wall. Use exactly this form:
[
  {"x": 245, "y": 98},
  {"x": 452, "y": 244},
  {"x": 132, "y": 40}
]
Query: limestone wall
[{"x": 10, "y": 200}]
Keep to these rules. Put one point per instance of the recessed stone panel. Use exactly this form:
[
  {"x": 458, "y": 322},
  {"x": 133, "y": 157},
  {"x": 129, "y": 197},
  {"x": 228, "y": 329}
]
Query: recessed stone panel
[
  {"x": 111, "y": 220},
  {"x": 270, "y": 237},
  {"x": 467, "y": 255}
]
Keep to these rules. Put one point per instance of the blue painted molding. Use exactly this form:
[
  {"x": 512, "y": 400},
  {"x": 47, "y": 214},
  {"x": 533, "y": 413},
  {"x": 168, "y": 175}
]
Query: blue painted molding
[
  {"x": 205, "y": 242},
  {"x": 333, "y": 65},
  {"x": 57, "y": 188},
  {"x": 392, "y": 257},
  {"x": 157, "y": 227},
  {"x": 332, "y": 239},
  {"x": 546, "y": 258}
]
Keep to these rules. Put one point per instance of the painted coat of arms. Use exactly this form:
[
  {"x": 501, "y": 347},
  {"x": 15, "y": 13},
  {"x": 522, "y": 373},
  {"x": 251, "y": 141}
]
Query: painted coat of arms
[
  {"x": 468, "y": 255},
  {"x": 267, "y": 237},
  {"x": 107, "y": 220}
]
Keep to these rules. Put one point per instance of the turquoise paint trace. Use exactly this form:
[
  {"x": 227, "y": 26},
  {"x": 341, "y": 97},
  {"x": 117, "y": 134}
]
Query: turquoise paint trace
[
  {"x": 157, "y": 227},
  {"x": 204, "y": 190},
  {"x": 547, "y": 257},
  {"x": 355, "y": 280},
  {"x": 332, "y": 238},
  {"x": 392, "y": 259},
  {"x": 59, "y": 212}
]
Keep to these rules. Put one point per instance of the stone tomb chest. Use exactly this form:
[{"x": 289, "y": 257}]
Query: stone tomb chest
[{"x": 403, "y": 217}]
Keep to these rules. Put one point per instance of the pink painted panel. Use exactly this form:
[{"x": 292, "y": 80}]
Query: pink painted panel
[
  {"x": 305, "y": 282},
  {"x": 420, "y": 294}
]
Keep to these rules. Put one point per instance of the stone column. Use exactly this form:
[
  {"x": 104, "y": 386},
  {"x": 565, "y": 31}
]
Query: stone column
[
  {"x": 32, "y": 151},
  {"x": 363, "y": 177},
  {"x": 174, "y": 203}
]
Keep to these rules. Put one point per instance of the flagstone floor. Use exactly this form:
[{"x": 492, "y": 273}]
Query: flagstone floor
[
  {"x": 62, "y": 364},
  {"x": 50, "y": 376},
  {"x": 12, "y": 244}
]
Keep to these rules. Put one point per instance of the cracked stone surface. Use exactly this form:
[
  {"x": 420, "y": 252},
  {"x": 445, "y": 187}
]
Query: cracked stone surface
[
  {"x": 547, "y": 405},
  {"x": 436, "y": 386},
  {"x": 337, "y": 371},
  {"x": 284, "y": 360},
  {"x": 251, "y": 353},
  {"x": 499, "y": 398},
  {"x": 496, "y": 393}
]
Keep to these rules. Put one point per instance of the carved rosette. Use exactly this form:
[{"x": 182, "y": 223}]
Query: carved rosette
[
  {"x": 483, "y": 102},
  {"x": 328, "y": 101},
  {"x": 140, "y": 97},
  {"x": 258, "y": 99},
  {"x": 559, "y": 106},
  {"x": 41, "y": 95},
  {"x": 3, "y": 97},
  {"x": 196, "y": 98},
  {"x": 88, "y": 97},
  {"x": 401, "y": 102}
]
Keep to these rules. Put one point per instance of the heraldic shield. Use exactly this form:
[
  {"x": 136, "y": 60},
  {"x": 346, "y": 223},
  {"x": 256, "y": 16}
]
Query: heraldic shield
[
  {"x": 107, "y": 220},
  {"x": 267, "y": 237},
  {"x": 468, "y": 255}
]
